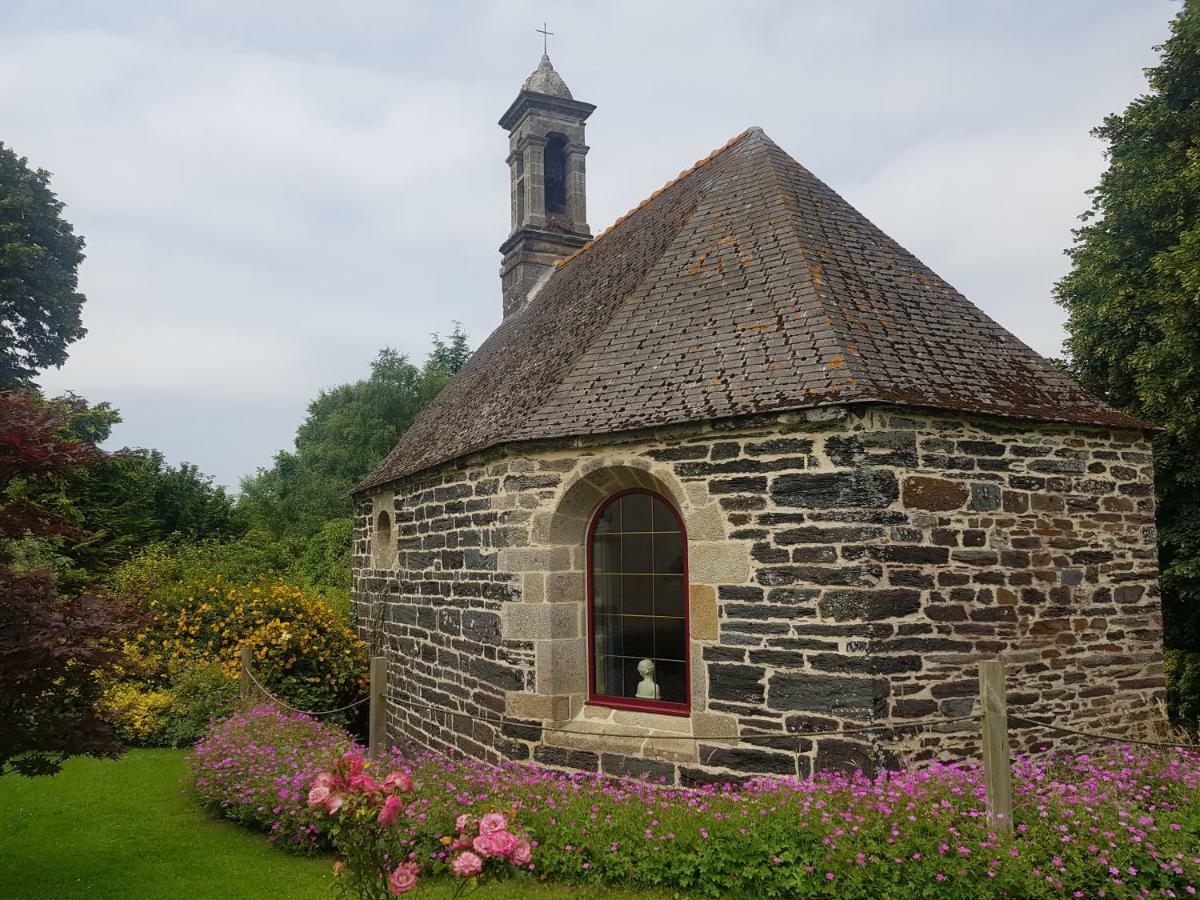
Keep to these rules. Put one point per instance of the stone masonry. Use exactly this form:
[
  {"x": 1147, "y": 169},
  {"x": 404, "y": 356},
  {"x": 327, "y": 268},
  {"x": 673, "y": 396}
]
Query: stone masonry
[{"x": 848, "y": 567}]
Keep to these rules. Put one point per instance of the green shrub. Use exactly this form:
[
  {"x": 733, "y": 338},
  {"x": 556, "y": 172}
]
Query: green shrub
[
  {"x": 325, "y": 560},
  {"x": 174, "y": 716},
  {"x": 169, "y": 570},
  {"x": 204, "y": 694},
  {"x": 1183, "y": 686}
]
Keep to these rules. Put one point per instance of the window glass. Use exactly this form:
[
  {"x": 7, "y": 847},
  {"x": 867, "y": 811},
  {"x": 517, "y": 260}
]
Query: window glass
[{"x": 638, "y": 602}]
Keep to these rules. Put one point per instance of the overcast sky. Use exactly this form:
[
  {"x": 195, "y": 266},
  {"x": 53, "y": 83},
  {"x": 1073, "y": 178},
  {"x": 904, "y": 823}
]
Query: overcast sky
[{"x": 272, "y": 191}]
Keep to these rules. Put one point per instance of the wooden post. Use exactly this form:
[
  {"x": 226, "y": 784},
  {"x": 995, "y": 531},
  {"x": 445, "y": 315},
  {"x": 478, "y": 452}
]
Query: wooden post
[
  {"x": 997, "y": 770},
  {"x": 247, "y": 685},
  {"x": 377, "y": 725}
]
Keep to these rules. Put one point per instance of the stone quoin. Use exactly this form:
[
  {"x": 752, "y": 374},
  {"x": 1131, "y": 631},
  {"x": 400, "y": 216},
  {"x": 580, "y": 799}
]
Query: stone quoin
[{"x": 743, "y": 468}]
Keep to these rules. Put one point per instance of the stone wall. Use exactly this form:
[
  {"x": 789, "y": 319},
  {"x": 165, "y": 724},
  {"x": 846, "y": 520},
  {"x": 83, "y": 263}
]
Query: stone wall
[{"x": 847, "y": 567}]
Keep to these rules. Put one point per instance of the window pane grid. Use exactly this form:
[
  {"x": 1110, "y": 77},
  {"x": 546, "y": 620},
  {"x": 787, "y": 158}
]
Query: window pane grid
[{"x": 638, "y": 594}]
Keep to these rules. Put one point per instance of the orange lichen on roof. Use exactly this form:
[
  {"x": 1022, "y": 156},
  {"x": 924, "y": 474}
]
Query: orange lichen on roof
[
  {"x": 836, "y": 363},
  {"x": 732, "y": 142}
]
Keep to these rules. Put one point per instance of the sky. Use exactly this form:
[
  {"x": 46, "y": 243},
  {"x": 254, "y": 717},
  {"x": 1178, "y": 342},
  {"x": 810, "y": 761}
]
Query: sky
[{"x": 273, "y": 191}]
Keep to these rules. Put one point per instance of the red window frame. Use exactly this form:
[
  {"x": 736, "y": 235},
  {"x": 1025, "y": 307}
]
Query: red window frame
[{"x": 633, "y": 703}]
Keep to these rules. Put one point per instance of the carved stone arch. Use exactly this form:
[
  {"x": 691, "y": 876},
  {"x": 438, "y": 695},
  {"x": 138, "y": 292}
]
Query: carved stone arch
[{"x": 583, "y": 494}]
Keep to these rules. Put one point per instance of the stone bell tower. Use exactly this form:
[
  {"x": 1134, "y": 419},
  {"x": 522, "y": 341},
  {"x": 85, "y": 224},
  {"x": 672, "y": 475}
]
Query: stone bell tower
[{"x": 546, "y": 161}]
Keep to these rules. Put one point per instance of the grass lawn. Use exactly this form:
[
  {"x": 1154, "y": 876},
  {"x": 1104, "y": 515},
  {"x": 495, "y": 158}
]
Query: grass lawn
[{"x": 124, "y": 829}]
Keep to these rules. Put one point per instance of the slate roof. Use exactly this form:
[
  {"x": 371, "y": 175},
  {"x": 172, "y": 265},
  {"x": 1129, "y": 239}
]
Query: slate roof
[{"x": 746, "y": 285}]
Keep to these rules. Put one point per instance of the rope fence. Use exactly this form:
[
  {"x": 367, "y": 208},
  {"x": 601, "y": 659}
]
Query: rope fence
[{"x": 994, "y": 718}]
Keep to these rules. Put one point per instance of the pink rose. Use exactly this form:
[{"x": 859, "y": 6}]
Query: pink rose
[
  {"x": 461, "y": 823},
  {"x": 392, "y": 807},
  {"x": 522, "y": 853},
  {"x": 466, "y": 864},
  {"x": 318, "y": 795},
  {"x": 323, "y": 779},
  {"x": 364, "y": 783},
  {"x": 404, "y": 879},
  {"x": 498, "y": 843},
  {"x": 492, "y": 822},
  {"x": 398, "y": 781},
  {"x": 503, "y": 843},
  {"x": 334, "y": 803}
]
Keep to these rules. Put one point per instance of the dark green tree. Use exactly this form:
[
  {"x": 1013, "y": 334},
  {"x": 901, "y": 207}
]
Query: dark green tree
[
  {"x": 348, "y": 431},
  {"x": 121, "y": 503},
  {"x": 39, "y": 256},
  {"x": 1133, "y": 298}
]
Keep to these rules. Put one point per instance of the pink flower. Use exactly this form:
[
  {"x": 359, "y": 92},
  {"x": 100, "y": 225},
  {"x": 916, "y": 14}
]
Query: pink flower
[
  {"x": 318, "y": 795},
  {"x": 487, "y": 845},
  {"x": 364, "y": 783},
  {"x": 334, "y": 803},
  {"x": 503, "y": 843},
  {"x": 461, "y": 823},
  {"x": 392, "y": 807},
  {"x": 466, "y": 864},
  {"x": 398, "y": 781},
  {"x": 492, "y": 822},
  {"x": 323, "y": 779},
  {"x": 521, "y": 853},
  {"x": 404, "y": 879}
]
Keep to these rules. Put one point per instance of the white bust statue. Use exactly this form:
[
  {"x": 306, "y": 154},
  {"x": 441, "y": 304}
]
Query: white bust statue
[{"x": 648, "y": 688}]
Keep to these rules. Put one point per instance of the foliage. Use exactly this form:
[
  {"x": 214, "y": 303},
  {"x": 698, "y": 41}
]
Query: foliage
[
  {"x": 302, "y": 652},
  {"x": 175, "y": 716},
  {"x": 324, "y": 563},
  {"x": 51, "y": 647},
  {"x": 39, "y": 256},
  {"x": 137, "y": 713},
  {"x": 172, "y": 569},
  {"x": 1133, "y": 299},
  {"x": 117, "y": 504},
  {"x": 348, "y": 431},
  {"x": 1117, "y": 823},
  {"x": 1183, "y": 685},
  {"x": 255, "y": 769}
]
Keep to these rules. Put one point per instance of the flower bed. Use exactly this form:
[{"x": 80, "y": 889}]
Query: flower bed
[
  {"x": 1124, "y": 822},
  {"x": 256, "y": 768}
]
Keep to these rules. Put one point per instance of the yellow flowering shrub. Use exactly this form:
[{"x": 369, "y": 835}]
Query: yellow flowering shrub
[
  {"x": 137, "y": 713},
  {"x": 303, "y": 652}
]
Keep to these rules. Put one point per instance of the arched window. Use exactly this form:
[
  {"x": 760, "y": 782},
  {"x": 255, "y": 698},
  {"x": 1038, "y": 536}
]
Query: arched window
[
  {"x": 637, "y": 605},
  {"x": 555, "y": 171},
  {"x": 382, "y": 549}
]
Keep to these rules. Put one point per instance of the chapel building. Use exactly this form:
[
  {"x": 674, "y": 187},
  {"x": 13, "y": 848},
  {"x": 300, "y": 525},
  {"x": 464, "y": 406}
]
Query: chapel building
[{"x": 739, "y": 470}]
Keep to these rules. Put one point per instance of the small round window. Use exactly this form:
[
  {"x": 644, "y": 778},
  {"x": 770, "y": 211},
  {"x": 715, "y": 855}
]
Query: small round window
[{"x": 382, "y": 547}]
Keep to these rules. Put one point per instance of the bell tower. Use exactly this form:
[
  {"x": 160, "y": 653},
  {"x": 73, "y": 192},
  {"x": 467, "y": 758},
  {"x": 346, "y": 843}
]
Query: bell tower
[{"x": 546, "y": 163}]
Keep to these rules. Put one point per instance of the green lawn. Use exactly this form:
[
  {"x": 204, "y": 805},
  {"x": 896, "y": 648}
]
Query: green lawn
[{"x": 124, "y": 829}]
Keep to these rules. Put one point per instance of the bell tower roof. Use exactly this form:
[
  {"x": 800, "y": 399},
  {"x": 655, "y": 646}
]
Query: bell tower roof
[
  {"x": 546, "y": 151},
  {"x": 545, "y": 80}
]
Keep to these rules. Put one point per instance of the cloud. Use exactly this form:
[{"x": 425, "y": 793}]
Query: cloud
[{"x": 273, "y": 190}]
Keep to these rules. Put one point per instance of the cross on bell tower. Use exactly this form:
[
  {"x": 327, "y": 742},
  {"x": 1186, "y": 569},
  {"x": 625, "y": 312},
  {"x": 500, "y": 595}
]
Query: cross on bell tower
[{"x": 546, "y": 164}]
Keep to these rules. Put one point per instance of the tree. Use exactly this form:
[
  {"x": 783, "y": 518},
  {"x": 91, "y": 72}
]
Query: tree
[
  {"x": 122, "y": 502},
  {"x": 50, "y": 646},
  {"x": 1133, "y": 299},
  {"x": 39, "y": 256},
  {"x": 347, "y": 432}
]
